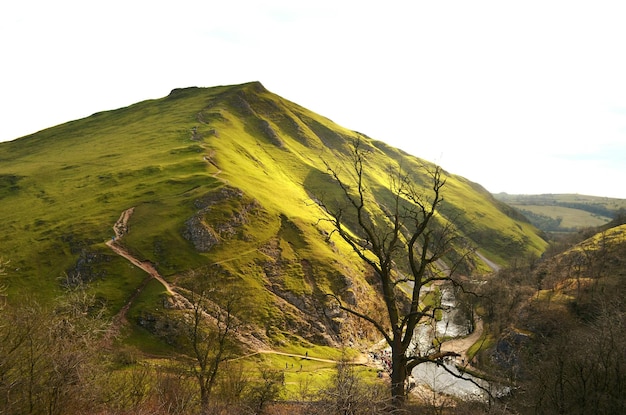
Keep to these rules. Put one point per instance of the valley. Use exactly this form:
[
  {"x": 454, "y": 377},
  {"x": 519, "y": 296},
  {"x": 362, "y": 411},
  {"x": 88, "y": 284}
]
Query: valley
[
  {"x": 565, "y": 213},
  {"x": 224, "y": 249},
  {"x": 458, "y": 343}
]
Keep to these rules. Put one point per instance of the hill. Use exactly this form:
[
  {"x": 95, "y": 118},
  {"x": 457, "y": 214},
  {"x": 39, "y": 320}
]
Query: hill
[
  {"x": 559, "y": 329},
  {"x": 221, "y": 181},
  {"x": 565, "y": 213}
]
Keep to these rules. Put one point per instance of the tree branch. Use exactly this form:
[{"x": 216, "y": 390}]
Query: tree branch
[{"x": 365, "y": 317}]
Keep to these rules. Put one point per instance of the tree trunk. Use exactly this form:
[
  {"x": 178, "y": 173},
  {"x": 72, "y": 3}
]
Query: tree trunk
[
  {"x": 204, "y": 400},
  {"x": 398, "y": 378}
]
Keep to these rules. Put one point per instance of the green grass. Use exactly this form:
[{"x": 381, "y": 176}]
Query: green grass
[
  {"x": 571, "y": 218},
  {"x": 62, "y": 189},
  {"x": 303, "y": 374},
  {"x": 565, "y": 212},
  {"x": 485, "y": 342},
  {"x": 149, "y": 301}
]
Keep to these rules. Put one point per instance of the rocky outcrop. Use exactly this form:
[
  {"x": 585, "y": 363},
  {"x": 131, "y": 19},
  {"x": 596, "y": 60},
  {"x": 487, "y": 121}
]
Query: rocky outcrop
[
  {"x": 205, "y": 230},
  {"x": 88, "y": 267},
  {"x": 200, "y": 234},
  {"x": 303, "y": 313}
]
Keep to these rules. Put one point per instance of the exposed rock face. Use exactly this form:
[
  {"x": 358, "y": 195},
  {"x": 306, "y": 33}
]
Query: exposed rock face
[
  {"x": 270, "y": 134},
  {"x": 303, "y": 313},
  {"x": 200, "y": 234},
  {"x": 205, "y": 230},
  {"x": 166, "y": 329},
  {"x": 88, "y": 265},
  {"x": 87, "y": 268}
]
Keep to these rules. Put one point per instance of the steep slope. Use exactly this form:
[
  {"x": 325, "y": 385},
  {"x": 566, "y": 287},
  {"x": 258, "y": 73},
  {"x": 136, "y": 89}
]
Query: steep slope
[
  {"x": 221, "y": 179},
  {"x": 558, "y": 328}
]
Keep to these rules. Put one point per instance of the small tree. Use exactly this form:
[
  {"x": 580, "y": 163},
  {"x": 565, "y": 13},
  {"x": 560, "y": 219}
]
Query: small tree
[
  {"x": 348, "y": 394},
  {"x": 210, "y": 327},
  {"x": 404, "y": 229},
  {"x": 264, "y": 390},
  {"x": 47, "y": 360},
  {"x": 3, "y": 287}
]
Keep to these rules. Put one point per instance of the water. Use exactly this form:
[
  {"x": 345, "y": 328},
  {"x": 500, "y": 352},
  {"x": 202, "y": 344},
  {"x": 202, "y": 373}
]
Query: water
[
  {"x": 447, "y": 380},
  {"x": 453, "y": 323},
  {"x": 440, "y": 380}
]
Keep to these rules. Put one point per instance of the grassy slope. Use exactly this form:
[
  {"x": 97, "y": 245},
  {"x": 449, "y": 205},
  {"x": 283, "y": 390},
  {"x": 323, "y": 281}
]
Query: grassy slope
[
  {"x": 580, "y": 260},
  {"x": 571, "y": 218},
  {"x": 75, "y": 180},
  {"x": 63, "y": 188},
  {"x": 576, "y": 211}
]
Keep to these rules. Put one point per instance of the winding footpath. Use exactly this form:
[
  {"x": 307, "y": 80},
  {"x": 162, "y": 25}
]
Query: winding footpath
[
  {"x": 120, "y": 228},
  {"x": 461, "y": 345}
]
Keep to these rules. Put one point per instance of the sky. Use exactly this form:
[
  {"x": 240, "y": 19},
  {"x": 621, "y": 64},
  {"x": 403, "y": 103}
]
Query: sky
[{"x": 519, "y": 96}]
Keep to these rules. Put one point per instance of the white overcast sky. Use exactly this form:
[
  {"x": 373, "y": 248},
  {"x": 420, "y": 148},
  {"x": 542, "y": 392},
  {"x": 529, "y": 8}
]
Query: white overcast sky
[{"x": 519, "y": 96}]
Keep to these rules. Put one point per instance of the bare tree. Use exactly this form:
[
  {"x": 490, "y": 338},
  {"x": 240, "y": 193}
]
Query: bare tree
[
  {"x": 3, "y": 287},
  {"x": 402, "y": 229},
  {"x": 264, "y": 390},
  {"x": 210, "y": 329},
  {"x": 348, "y": 394},
  {"x": 47, "y": 360},
  {"x": 174, "y": 392}
]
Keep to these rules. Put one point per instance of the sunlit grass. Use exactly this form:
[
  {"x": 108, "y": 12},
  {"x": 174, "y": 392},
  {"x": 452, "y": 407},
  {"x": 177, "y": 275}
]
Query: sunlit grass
[
  {"x": 62, "y": 189},
  {"x": 571, "y": 218},
  {"x": 485, "y": 342}
]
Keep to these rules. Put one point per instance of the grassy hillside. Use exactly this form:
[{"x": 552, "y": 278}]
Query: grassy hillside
[
  {"x": 565, "y": 212},
  {"x": 559, "y": 329},
  {"x": 218, "y": 176}
]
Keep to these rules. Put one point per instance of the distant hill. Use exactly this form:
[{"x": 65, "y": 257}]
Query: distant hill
[
  {"x": 565, "y": 212},
  {"x": 220, "y": 177}
]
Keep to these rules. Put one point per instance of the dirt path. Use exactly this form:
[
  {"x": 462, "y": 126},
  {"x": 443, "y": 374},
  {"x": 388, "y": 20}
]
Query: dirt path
[
  {"x": 360, "y": 360},
  {"x": 144, "y": 265},
  {"x": 462, "y": 345},
  {"x": 121, "y": 228},
  {"x": 494, "y": 267}
]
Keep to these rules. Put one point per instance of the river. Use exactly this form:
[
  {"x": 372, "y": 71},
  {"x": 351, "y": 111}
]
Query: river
[
  {"x": 453, "y": 324},
  {"x": 441, "y": 380}
]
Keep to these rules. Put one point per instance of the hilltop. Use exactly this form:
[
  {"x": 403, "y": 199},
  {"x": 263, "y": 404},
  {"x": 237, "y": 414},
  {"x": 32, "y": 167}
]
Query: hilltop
[{"x": 220, "y": 178}]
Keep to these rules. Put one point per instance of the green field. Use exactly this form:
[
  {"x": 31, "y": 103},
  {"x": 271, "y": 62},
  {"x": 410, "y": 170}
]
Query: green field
[
  {"x": 565, "y": 212},
  {"x": 571, "y": 218}
]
